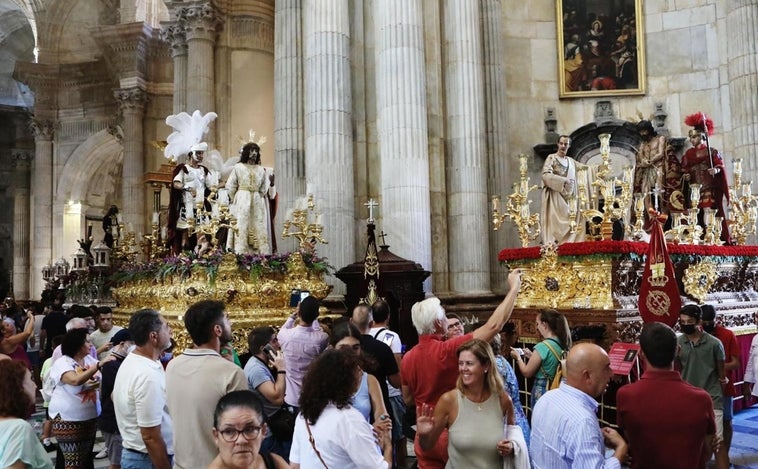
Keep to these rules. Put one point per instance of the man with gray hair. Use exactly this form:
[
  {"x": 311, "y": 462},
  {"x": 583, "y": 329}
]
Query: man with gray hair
[{"x": 431, "y": 368}]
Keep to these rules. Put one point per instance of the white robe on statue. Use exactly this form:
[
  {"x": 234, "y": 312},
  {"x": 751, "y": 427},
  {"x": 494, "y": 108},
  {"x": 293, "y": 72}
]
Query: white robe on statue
[
  {"x": 248, "y": 186},
  {"x": 554, "y": 216}
]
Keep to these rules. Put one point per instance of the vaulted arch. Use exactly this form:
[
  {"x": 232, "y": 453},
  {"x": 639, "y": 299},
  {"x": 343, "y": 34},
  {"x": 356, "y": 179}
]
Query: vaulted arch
[{"x": 99, "y": 157}]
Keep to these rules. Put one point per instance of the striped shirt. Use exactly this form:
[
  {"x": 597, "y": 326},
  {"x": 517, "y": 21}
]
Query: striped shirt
[{"x": 565, "y": 432}]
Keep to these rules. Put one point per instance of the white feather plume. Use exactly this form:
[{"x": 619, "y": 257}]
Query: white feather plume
[{"x": 188, "y": 131}]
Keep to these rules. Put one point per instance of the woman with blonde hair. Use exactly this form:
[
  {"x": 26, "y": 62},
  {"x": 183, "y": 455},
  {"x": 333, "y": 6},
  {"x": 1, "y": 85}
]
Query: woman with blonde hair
[
  {"x": 478, "y": 415},
  {"x": 543, "y": 365}
]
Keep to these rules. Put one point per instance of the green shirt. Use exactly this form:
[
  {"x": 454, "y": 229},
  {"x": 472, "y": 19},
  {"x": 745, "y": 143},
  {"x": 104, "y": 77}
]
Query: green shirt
[
  {"x": 549, "y": 362},
  {"x": 700, "y": 365}
]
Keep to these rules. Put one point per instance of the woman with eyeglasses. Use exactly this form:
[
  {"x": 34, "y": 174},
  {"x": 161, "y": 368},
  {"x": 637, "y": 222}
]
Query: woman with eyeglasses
[
  {"x": 74, "y": 402},
  {"x": 329, "y": 432},
  {"x": 239, "y": 428}
]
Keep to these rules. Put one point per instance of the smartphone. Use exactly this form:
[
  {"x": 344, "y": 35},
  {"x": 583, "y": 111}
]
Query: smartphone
[
  {"x": 269, "y": 349},
  {"x": 304, "y": 294},
  {"x": 295, "y": 297}
]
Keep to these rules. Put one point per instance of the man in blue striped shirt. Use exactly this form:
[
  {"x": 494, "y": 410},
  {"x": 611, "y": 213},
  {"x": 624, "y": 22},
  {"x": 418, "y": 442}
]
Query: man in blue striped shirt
[{"x": 565, "y": 430}]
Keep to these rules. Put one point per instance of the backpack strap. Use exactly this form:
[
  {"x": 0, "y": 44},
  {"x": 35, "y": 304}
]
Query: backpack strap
[
  {"x": 555, "y": 354},
  {"x": 379, "y": 332}
]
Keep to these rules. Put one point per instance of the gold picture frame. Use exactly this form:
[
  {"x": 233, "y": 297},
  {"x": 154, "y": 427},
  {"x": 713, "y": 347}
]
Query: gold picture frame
[{"x": 601, "y": 48}]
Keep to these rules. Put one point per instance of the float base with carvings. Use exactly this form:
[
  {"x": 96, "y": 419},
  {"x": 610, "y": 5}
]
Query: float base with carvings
[
  {"x": 596, "y": 284},
  {"x": 256, "y": 290}
]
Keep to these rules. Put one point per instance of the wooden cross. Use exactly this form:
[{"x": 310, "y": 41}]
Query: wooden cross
[
  {"x": 382, "y": 236},
  {"x": 371, "y": 204}
]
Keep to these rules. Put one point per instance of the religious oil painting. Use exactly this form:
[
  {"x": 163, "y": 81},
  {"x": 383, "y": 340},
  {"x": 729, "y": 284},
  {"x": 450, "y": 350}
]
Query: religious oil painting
[{"x": 600, "y": 48}]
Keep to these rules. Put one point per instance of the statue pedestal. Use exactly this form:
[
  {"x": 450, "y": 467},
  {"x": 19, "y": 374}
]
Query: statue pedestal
[
  {"x": 596, "y": 285},
  {"x": 255, "y": 293}
]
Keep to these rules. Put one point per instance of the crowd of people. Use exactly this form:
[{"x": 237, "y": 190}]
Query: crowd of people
[{"x": 312, "y": 396}]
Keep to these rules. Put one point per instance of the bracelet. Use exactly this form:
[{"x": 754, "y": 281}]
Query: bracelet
[{"x": 282, "y": 372}]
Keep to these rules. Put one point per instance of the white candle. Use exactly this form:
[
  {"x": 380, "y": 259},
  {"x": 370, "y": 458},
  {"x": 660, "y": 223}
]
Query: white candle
[
  {"x": 156, "y": 218},
  {"x": 118, "y": 218},
  {"x": 320, "y": 219},
  {"x": 495, "y": 204},
  {"x": 164, "y": 232},
  {"x": 289, "y": 214}
]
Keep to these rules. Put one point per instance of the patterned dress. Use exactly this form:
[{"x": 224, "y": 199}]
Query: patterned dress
[{"x": 511, "y": 385}]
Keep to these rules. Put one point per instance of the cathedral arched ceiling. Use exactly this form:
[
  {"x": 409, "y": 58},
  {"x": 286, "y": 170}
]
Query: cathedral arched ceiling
[
  {"x": 64, "y": 33},
  {"x": 16, "y": 43}
]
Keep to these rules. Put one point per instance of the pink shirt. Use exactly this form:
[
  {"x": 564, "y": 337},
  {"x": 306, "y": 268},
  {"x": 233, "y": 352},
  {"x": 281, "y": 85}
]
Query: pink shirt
[{"x": 300, "y": 344}]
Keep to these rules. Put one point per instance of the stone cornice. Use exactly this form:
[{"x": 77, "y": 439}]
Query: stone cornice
[
  {"x": 125, "y": 48},
  {"x": 42, "y": 79}
]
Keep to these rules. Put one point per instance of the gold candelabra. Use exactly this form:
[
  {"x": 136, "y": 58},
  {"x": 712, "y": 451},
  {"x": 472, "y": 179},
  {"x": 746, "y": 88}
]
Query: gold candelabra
[
  {"x": 125, "y": 246},
  {"x": 517, "y": 210},
  {"x": 685, "y": 228},
  {"x": 744, "y": 206},
  {"x": 305, "y": 223},
  {"x": 614, "y": 203},
  {"x": 153, "y": 245},
  {"x": 208, "y": 222}
]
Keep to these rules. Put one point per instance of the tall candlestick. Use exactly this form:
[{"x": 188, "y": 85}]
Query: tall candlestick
[{"x": 495, "y": 204}]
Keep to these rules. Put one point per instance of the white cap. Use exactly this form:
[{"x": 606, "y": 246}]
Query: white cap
[{"x": 202, "y": 146}]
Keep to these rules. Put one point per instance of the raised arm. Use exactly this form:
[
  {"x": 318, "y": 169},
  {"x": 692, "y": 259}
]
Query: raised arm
[{"x": 503, "y": 311}]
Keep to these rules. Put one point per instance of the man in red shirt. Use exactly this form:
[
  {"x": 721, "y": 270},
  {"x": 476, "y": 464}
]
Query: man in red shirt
[
  {"x": 731, "y": 363},
  {"x": 666, "y": 421},
  {"x": 430, "y": 368}
]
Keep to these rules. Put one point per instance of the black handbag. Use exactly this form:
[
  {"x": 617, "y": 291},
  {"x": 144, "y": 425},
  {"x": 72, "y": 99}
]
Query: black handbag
[{"x": 282, "y": 424}]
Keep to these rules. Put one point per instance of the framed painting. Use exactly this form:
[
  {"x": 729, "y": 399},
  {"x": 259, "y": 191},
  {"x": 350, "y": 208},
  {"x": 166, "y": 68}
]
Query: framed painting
[{"x": 600, "y": 48}]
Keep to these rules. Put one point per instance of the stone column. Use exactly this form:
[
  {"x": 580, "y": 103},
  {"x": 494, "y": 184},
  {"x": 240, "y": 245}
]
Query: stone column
[
  {"x": 22, "y": 161},
  {"x": 328, "y": 125},
  {"x": 466, "y": 148},
  {"x": 402, "y": 127},
  {"x": 175, "y": 35},
  {"x": 42, "y": 202},
  {"x": 742, "y": 56},
  {"x": 495, "y": 127},
  {"x": 201, "y": 23},
  {"x": 288, "y": 111},
  {"x": 132, "y": 106}
]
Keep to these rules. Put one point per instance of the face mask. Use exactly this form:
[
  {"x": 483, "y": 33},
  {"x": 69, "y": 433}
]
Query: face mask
[
  {"x": 688, "y": 329},
  {"x": 709, "y": 328}
]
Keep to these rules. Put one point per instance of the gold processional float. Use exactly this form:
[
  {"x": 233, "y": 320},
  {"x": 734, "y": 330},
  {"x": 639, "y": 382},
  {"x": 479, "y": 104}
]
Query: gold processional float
[
  {"x": 255, "y": 288},
  {"x": 588, "y": 277}
]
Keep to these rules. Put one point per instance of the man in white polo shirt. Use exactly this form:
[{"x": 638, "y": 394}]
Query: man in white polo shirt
[{"x": 139, "y": 396}]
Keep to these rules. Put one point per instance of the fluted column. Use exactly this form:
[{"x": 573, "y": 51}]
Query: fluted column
[
  {"x": 132, "y": 105},
  {"x": 402, "y": 125},
  {"x": 466, "y": 149},
  {"x": 742, "y": 53},
  {"x": 175, "y": 35},
  {"x": 201, "y": 24},
  {"x": 22, "y": 161},
  {"x": 495, "y": 126},
  {"x": 42, "y": 201},
  {"x": 288, "y": 110},
  {"x": 328, "y": 127}
]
